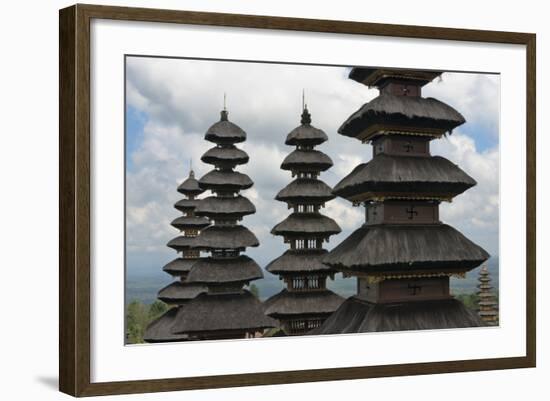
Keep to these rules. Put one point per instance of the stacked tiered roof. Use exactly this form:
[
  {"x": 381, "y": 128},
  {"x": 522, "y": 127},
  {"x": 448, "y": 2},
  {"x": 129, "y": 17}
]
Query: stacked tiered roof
[
  {"x": 180, "y": 291},
  {"x": 225, "y": 309},
  {"x": 305, "y": 303},
  {"x": 403, "y": 255},
  {"x": 487, "y": 304}
]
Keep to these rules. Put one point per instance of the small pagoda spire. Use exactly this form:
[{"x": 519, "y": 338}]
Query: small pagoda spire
[
  {"x": 305, "y": 303},
  {"x": 487, "y": 304},
  {"x": 180, "y": 291}
]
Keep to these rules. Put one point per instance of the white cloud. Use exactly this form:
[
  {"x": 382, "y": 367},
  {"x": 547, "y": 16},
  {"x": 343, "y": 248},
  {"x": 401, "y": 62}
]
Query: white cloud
[
  {"x": 182, "y": 98},
  {"x": 475, "y": 96},
  {"x": 476, "y": 211}
]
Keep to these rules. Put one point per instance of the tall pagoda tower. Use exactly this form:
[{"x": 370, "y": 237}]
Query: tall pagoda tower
[
  {"x": 180, "y": 291},
  {"x": 305, "y": 303},
  {"x": 226, "y": 309},
  {"x": 403, "y": 255},
  {"x": 488, "y": 306}
]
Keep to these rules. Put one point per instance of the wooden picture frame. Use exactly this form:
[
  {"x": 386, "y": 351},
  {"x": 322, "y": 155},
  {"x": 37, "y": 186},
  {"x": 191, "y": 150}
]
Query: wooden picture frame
[{"x": 75, "y": 208}]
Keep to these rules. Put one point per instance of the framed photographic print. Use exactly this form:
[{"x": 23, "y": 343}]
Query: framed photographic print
[{"x": 250, "y": 200}]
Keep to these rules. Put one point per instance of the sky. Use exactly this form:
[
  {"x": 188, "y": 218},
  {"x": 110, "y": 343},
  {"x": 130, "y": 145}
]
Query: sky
[{"x": 170, "y": 104}]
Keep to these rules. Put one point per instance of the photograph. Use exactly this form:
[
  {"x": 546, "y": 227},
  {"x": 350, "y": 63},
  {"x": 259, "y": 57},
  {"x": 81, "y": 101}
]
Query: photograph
[{"x": 268, "y": 199}]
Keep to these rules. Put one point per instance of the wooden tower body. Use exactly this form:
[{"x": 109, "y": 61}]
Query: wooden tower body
[
  {"x": 403, "y": 255},
  {"x": 225, "y": 309}
]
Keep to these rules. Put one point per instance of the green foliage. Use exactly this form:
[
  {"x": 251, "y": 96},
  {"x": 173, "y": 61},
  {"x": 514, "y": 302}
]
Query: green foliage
[
  {"x": 253, "y": 288},
  {"x": 469, "y": 300},
  {"x": 138, "y": 316},
  {"x": 156, "y": 309}
]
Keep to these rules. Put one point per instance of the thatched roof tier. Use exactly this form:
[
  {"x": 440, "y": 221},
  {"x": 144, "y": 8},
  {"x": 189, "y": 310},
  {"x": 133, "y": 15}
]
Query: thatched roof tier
[
  {"x": 160, "y": 330},
  {"x": 299, "y": 261},
  {"x": 190, "y": 186},
  {"x": 181, "y": 243},
  {"x": 305, "y": 190},
  {"x": 225, "y": 156},
  {"x": 225, "y": 237},
  {"x": 186, "y": 205},
  {"x": 215, "y": 207},
  {"x": 434, "y": 176},
  {"x": 358, "y": 316},
  {"x": 393, "y": 247},
  {"x": 306, "y": 223},
  {"x": 225, "y": 132},
  {"x": 306, "y": 134},
  {"x": 302, "y": 303},
  {"x": 488, "y": 303},
  {"x": 225, "y": 180},
  {"x": 176, "y": 292},
  {"x": 306, "y": 160},
  {"x": 225, "y": 270},
  {"x": 209, "y": 312},
  {"x": 179, "y": 266},
  {"x": 379, "y": 76},
  {"x": 411, "y": 113},
  {"x": 187, "y": 222}
]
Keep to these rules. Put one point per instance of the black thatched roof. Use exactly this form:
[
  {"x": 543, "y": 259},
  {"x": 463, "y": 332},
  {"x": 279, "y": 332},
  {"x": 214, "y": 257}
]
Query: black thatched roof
[
  {"x": 302, "y": 303},
  {"x": 179, "y": 266},
  {"x": 215, "y": 207},
  {"x": 387, "y": 247},
  {"x": 306, "y": 223},
  {"x": 425, "y": 176},
  {"x": 225, "y": 270},
  {"x": 358, "y": 316},
  {"x": 190, "y": 186},
  {"x": 225, "y": 180},
  {"x": 306, "y": 134},
  {"x": 160, "y": 330},
  {"x": 225, "y": 132},
  {"x": 306, "y": 160},
  {"x": 177, "y": 292},
  {"x": 226, "y": 156},
  {"x": 186, "y": 222},
  {"x": 222, "y": 312},
  {"x": 305, "y": 190},
  {"x": 295, "y": 261},
  {"x": 407, "y": 111},
  {"x": 377, "y": 76},
  {"x": 181, "y": 243},
  {"x": 225, "y": 237},
  {"x": 186, "y": 205}
]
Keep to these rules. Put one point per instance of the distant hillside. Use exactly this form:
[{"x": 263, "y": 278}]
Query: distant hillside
[{"x": 144, "y": 286}]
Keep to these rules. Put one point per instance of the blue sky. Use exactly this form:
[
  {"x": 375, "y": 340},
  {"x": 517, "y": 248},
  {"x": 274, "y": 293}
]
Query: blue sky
[{"x": 171, "y": 103}]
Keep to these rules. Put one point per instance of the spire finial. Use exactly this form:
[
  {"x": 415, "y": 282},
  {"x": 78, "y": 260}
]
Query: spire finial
[
  {"x": 191, "y": 172},
  {"x": 224, "y": 113},
  {"x": 306, "y": 117}
]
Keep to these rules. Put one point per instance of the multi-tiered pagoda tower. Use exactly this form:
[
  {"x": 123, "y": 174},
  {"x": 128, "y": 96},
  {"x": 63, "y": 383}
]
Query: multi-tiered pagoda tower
[
  {"x": 487, "y": 304},
  {"x": 403, "y": 255},
  {"x": 305, "y": 303},
  {"x": 226, "y": 309},
  {"x": 180, "y": 291}
]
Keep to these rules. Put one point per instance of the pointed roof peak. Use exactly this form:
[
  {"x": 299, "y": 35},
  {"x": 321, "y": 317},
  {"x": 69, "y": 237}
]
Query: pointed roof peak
[
  {"x": 224, "y": 115},
  {"x": 306, "y": 117},
  {"x": 191, "y": 172}
]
